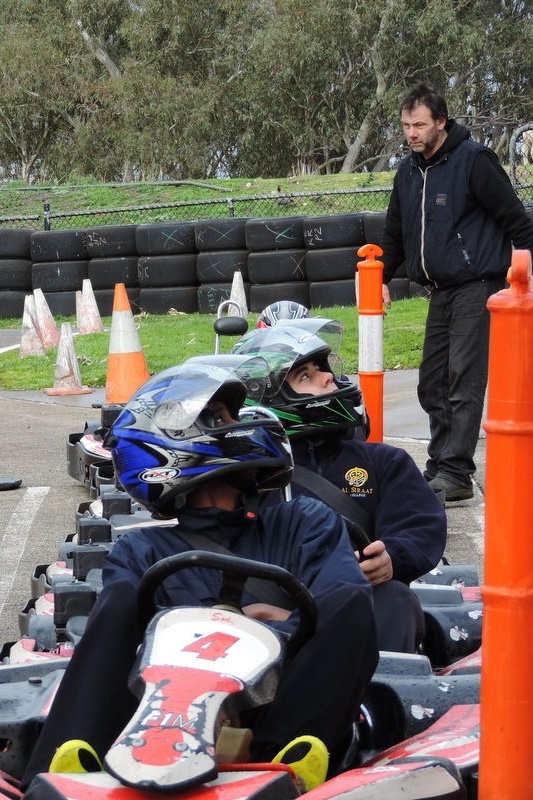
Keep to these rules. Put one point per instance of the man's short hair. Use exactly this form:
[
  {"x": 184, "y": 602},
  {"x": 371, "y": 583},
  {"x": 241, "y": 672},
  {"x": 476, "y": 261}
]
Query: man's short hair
[{"x": 425, "y": 95}]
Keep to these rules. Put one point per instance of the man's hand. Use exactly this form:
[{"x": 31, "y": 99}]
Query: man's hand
[
  {"x": 377, "y": 564},
  {"x": 266, "y": 612},
  {"x": 386, "y": 295}
]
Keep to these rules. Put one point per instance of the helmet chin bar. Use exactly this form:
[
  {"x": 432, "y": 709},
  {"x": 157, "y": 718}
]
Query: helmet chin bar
[{"x": 255, "y": 411}]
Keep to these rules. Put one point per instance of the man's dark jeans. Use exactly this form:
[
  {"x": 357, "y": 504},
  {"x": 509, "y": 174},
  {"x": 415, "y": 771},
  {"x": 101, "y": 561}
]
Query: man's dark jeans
[{"x": 453, "y": 376}]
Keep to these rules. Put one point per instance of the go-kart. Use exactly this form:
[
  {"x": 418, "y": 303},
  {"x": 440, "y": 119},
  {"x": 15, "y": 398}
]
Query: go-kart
[{"x": 196, "y": 670}]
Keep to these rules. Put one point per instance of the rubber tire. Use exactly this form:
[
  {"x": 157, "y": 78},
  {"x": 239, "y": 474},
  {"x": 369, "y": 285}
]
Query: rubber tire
[
  {"x": 274, "y": 233},
  {"x": 373, "y": 224},
  {"x": 417, "y": 290},
  {"x": 399, "y": 288},
  {"x": 161, "y": 300},
  {"x": 59, "y": 276},
  {"x": 335, "y": 230},
  {"x": 165, "y": 238},
  {"x": 104, "y": 273},
  {"x": 12, "y": 304},
  {"x": 58, "y": 245},
  {"x": 15, "y": 243},
  {"x": 263, "y": 294},
  {"x": 324, "y": 294},
  {"x": 61, "y": 304},
  {"x": 211, "y": 296},
  {"x": 15, "y": 273},
  {"x": 172, "y": 270},
  {"x": 333, "y": 264},
  {"x": 219, "y": 266},
  {"x": 220, "y": 233},
  {"x": 105, "y": 299},
  {"x": 277, "y": 266},
  {"x": 111, "y": 240},
  {"x": 401, "y": 272}
]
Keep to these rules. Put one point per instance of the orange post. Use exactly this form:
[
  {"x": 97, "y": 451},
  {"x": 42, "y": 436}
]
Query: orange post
[
  {"x": 506, "y": 744},
  {"x": 126, "y": 365},
  {"x": 370, "y": 306}
]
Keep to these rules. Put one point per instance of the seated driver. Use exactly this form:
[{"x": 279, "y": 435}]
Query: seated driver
[
  {"x": 320, "y": 412},
  {"x": 180, "y": 450}
]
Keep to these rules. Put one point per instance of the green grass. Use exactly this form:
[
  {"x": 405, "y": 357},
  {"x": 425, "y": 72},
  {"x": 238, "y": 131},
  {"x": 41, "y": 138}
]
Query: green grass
[
  {"x": 170, "y": 339},
  {"x": 16, "y": 198}
]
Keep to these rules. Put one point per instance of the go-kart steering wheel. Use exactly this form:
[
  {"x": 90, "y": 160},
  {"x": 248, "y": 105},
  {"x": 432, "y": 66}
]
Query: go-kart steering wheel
[{"x": 235, "y": 572}]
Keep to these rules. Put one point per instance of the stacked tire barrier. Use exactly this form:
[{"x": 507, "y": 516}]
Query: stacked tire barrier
[
  {"x": 221, "y": 245},
  {"x": 59, "y": 266},
  {"x": 15, "y": 271},
  {"x": 166, "y": 267},
  {"x": 330, "y": 261},
  {"x": 188, "y": 266},
  {"x": 112, "y": 258},
  {"x": 276, "y": 261}
]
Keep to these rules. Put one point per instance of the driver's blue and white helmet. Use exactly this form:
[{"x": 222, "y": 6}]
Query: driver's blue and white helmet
[{"x": 166, "y": 440}]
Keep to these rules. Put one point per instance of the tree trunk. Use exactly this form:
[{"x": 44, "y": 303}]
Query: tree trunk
[{"x": 352, "y": 156}]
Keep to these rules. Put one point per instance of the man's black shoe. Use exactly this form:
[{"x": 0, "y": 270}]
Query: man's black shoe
[{"x": 452, "y": 491}]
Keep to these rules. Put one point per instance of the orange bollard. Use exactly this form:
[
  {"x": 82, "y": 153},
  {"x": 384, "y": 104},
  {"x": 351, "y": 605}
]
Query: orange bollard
[
  {"x": 370, "y": 306},
  {"x": 506, "y": 744}
]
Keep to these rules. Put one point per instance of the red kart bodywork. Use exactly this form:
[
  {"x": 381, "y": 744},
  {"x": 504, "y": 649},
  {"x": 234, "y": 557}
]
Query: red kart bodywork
[{"x": 443, "y": 759}]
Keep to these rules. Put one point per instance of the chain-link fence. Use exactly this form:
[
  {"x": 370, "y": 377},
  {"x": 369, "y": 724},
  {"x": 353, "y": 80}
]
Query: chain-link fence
[
  {"x": 319, "y": 203},
  {"x": 31, "y": 221},
  {"x": 336, "y": 201},
  {"x": 521, "y": 162}
]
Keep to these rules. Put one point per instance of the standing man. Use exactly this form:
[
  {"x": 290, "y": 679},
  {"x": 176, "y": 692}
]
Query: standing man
[{"x": 453, "y": 218}]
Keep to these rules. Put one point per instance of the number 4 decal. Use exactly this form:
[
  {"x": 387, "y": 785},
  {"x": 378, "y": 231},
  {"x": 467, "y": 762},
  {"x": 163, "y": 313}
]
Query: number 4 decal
[{"x": 211, "y": 647}]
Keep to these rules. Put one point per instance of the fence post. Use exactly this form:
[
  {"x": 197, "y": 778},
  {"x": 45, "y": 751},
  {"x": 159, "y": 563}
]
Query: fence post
[
  {"x": 231, "y": 207},
  {"x": 370, "y": 362},
  {"x": 46, "y": 215},
  {"x": 506, "y": 744}
]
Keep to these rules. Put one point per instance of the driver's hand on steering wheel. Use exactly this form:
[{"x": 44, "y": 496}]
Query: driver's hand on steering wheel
[
  {"x": 266, "y": 612},
  {"x": 377, "y": 564}
]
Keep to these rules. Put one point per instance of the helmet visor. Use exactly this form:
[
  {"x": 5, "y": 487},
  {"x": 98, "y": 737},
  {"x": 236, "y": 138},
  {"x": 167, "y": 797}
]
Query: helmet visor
[
  {"x": 198, "y": 381},
  {"x": 293, "y": 342}
]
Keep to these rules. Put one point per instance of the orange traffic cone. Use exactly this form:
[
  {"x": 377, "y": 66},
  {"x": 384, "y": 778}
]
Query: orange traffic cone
[
  {"x": 89, "y": 320},
  {"x": 30, "y": 341},
  {"x": 67, "y": 379},
  {"x": 48, "y": 332},
  {"x": 126, "y": 365}
]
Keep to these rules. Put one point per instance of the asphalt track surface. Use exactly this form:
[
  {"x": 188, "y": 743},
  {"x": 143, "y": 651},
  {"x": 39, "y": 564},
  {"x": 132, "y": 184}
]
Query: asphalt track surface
[{"x": 37, "y": 517}]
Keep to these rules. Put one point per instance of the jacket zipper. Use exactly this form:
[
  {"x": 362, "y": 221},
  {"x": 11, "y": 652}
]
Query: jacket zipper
[{"x": 423, "y": 225}]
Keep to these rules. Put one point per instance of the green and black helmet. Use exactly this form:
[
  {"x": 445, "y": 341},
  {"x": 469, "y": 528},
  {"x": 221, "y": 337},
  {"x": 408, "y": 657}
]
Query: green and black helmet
[{"x": 286, "y": 346}]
